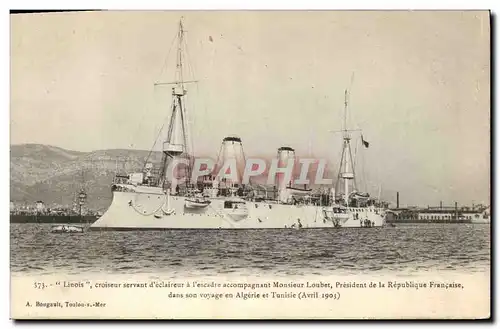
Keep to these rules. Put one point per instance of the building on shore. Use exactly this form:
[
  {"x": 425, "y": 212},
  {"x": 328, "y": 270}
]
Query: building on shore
[{"x": 475, "y": 214}]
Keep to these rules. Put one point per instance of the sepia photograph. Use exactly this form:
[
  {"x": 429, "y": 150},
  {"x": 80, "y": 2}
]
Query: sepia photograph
[{"x": 250, "y": 164}]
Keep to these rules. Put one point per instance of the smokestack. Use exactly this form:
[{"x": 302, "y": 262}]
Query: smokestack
[
  {"x": 232, "y": 150},
  {"x": 397, "y": 200},
  {"x": 440, "y": 204},
  {"x": 285, "y": 153}
]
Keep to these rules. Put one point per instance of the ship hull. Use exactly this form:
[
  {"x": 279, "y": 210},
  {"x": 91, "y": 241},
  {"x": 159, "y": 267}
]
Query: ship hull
[{"x": 151, "y": 209}]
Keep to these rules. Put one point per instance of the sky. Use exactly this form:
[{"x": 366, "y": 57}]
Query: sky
[{"x": 419, "y": 88}]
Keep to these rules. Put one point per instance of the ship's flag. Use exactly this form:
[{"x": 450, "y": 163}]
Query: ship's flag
[{"x": 365, "y": 143}]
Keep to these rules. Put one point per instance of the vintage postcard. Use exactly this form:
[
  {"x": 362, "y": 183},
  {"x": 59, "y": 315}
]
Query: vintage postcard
[{"x": 250, "y": 165}]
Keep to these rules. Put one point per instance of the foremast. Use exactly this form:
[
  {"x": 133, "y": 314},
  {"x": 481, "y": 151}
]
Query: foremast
[{"x": 176, "y": 144}]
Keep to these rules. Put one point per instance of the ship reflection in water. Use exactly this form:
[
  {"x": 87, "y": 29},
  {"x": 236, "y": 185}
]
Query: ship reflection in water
[{"x": 404, "y": 249}]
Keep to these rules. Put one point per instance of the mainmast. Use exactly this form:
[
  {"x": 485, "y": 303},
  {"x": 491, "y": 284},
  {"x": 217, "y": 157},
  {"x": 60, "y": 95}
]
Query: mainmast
[
  {"x": 176, "y": 143},
  {"x": 346, "y": 170}
]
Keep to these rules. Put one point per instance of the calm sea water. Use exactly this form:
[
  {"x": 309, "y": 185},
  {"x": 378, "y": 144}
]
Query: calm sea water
[{"x": 404, "y": 248}]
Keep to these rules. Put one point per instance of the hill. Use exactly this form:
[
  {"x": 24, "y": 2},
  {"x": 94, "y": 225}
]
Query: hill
[{"x": 53, "y": 175}]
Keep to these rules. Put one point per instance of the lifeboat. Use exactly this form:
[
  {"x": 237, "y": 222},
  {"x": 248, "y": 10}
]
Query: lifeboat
[
  {"x": 359, "y": 196},
  {"x": 196, "y": 203}
]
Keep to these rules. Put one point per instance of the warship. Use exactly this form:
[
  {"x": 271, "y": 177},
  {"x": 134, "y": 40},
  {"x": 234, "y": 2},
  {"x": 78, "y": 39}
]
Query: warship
[{"x": 154, "y": 199}]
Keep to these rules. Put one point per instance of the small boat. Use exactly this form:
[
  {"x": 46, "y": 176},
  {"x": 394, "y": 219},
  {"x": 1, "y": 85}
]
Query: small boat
[
  {"x": 66, "y": 229},
  {"x": 197, "y": 203}
]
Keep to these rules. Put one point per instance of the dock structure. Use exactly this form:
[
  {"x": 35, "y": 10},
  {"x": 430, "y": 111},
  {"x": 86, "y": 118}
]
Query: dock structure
[{"x": 438, "y": 214}]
